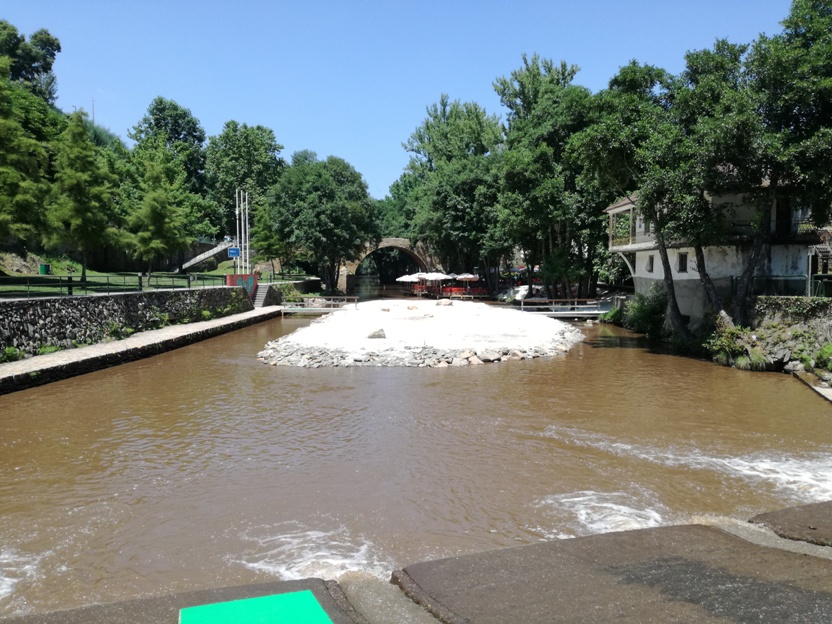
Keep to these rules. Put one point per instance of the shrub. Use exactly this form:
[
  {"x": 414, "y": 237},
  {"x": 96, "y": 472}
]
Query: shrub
[
  {"x": 646, "y": 313},
  {"x": 726, "y": 346},
  {"x": 614, "y": 316},
  {"x": 11, "y": 354},
  {"x": 823, "y": 357}
]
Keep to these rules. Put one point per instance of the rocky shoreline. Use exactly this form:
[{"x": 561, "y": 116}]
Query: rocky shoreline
[{"x": 279, "y": 353}]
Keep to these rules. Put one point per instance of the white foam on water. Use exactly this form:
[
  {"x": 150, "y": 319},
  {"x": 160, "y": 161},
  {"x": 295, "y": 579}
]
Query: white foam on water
[
  {"x": 602, "y": 512},
  {"x": 291, "y": 551},
  {"x": 807, "y": 478},
  {"x": 14, "y": 568}
]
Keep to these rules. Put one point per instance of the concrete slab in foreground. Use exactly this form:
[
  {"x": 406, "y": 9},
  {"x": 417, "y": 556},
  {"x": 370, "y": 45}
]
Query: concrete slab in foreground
[
  {"x": 671, "y": 574},
  {"x": 43, "y": 369},
  {"x": 807, "y": 523},
  {"x": 165, "y": 609}
]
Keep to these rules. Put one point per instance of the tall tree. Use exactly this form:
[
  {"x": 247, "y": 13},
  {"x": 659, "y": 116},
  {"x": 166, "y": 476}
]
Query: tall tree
[
  {"x": 182, "y": 135},
  {"x": 157, "y": 225},
  {"x": 450, "y": 181},
  {"x": 23, "y": 161},
  {"x": 542, "y": 206},
  {"x": 705, "y": 153},
  {"x": 81, "y": 211},
  {"x": 791, "y": 76},
  {"x": 242, "y": 157},
  {"x": 323, "y": 209},
  {"x": 633, "y": 115},
  {"x": 32, "y": 60}
]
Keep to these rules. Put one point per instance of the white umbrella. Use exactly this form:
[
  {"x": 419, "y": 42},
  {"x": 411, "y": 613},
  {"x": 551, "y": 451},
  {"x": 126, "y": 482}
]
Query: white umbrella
[
  {"x": 468, "y": 277},
  {"x": 408, "y": 278},
  {"x": 435, "y": 277}
]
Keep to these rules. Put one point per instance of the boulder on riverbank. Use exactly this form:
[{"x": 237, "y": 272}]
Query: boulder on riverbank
[{"x": 421, "y": 334}]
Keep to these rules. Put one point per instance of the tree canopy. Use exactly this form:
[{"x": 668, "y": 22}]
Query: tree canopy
[{"x": 323, "y": 212}]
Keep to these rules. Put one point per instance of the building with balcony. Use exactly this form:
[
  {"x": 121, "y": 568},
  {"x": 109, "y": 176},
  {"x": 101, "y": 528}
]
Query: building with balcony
[{"x": 796, "y": 261}]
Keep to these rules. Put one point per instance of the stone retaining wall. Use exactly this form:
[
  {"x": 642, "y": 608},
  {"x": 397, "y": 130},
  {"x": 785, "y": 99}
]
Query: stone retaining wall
[
  {"x": 70, "y": 321},
  {"x": 791, "y": 332}
]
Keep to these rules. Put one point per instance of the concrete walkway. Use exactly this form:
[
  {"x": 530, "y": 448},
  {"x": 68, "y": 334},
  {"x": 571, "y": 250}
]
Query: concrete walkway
[{"x": 42, "y": 369}]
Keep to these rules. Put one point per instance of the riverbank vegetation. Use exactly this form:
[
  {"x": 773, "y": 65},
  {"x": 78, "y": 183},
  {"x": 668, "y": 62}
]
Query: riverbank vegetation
[{"x": 751, "y": 120}]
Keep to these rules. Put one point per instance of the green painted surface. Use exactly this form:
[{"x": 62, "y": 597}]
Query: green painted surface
[{"x": 292, "y": 608}]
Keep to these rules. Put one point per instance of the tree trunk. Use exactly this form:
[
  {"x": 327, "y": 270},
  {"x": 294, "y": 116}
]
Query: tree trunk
[
  {"x": 83, "y": 267},
  {"x": 710, "y": 290},
  {"x": 675, "y": 315},
  {"x": 743, "y": 293}
]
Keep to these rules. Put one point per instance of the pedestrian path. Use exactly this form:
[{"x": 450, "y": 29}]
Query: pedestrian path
[{"x": 36, "y": 371}]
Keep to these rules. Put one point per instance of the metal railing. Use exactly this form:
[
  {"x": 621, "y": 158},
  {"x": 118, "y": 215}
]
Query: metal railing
[
  {"x": 776, "y": 285},
  {"x": 566, "y": 307},
  {"x": 36, "y": 286}
]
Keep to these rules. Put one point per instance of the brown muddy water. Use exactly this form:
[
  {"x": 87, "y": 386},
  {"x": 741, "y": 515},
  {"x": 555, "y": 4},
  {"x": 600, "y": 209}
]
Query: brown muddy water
[{"x": 203, "y": 467}]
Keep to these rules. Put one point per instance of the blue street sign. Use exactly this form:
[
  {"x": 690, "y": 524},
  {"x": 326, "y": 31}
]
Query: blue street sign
[{"x": 233, "y": 252}]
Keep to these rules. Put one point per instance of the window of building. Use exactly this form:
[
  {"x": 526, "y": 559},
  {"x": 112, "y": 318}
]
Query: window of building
[
  {"x": 683, "y": 263},
  {"x": 650, "y": 263}
]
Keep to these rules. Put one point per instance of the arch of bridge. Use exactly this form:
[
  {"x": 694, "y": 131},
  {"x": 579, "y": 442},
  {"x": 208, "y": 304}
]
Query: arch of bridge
[{"x": 418, "y": 253}]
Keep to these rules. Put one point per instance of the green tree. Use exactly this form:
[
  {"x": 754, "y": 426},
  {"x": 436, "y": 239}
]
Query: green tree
[
  {"x": 201, "y": 216},
  {"x": 23, "y": 160},
  {"x": 323, "y": 209},
  {"x": 632, "y": 117},
  {"x": 450, "y": 183},
  {"x": 81, "y": 211},
  {"x": 32, "y": 60},
  {"x": 790, "y": 75},
  {"x": 242, "y": 157},
  {"x": 157, "y": 225},
  {"x": 171, "y": 136},
  {"x": 268, "y": 241},
  {"x": 543, "y": 207},
  {"x": 703, "y": 153},
  {"x": 181, "y": 134}
]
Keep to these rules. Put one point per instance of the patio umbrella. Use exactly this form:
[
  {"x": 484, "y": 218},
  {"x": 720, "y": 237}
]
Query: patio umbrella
[
  {"x": 468, "y": 277},
  {"x": 435, "y": 277},
  {"x": 408, "y": 278}
]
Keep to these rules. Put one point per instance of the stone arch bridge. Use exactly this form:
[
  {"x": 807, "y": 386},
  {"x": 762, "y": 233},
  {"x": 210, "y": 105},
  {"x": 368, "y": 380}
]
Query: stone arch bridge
[{"x": 418, "y": 252}]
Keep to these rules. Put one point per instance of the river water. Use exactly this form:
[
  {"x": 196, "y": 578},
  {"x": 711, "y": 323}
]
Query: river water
[{"x": 202, "y": 467}]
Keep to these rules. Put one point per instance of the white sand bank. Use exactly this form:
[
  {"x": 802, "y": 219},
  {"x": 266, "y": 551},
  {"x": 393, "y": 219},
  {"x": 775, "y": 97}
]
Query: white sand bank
[{"x": 420, "y": 332}]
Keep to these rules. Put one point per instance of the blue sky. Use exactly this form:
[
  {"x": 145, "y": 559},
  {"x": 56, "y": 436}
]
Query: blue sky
[{"x": 353, "y": 78}]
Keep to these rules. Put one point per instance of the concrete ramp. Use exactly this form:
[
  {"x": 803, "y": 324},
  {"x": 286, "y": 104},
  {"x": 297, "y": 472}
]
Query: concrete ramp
[
  {"x": 165, "y": 609},
  {"x": 690, "y": 574}
]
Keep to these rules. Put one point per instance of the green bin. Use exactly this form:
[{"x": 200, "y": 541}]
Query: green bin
[{"x": 46, "y": 269}]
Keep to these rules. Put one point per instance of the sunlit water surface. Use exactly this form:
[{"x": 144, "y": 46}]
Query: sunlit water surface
[{"x": 203, "y": 467}]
